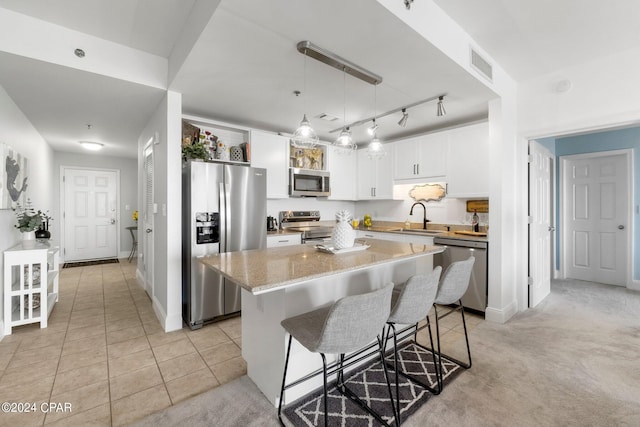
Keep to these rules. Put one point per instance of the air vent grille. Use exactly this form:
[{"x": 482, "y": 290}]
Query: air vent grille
[
  {"x": 327, "y": 117},
  {"x": 481, "y": 65}
]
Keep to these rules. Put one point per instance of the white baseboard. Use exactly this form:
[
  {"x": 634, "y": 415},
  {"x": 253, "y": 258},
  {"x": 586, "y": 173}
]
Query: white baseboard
[
  {"x": 497, "y": 315},
  {"x": 169, "y": 323},
  {"x": 634, "y": 285}
]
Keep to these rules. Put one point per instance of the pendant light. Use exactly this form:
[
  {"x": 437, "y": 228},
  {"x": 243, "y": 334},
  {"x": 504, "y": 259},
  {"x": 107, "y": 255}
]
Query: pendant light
[
  {"x": 304, "y": 136},
  {"x": 344, "y": 142},
  {"x": 375, "y": 150}
]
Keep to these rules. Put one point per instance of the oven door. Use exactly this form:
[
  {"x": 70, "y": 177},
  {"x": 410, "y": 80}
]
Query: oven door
[{"x": 308, "y": 183}]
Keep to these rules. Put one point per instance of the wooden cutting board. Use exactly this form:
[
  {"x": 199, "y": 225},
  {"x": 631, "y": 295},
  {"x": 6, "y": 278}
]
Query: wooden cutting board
[{"x": 472, "y": 233}]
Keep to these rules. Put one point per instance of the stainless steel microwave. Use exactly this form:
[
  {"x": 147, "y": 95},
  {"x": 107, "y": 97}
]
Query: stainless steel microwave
[{"x": 308, "y": 183}]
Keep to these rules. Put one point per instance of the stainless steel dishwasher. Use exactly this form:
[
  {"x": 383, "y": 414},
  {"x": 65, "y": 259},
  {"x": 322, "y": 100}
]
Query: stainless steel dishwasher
[{"x": 458, "y": 250}]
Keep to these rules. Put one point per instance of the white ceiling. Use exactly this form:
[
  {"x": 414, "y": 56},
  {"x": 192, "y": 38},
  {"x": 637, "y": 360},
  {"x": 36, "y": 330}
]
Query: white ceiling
[{"x": 245, "y": 67}]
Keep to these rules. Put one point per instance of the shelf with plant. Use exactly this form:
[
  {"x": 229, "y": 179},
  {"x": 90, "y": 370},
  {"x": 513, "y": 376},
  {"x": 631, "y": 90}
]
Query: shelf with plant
[{"x": 29, "y": 219}]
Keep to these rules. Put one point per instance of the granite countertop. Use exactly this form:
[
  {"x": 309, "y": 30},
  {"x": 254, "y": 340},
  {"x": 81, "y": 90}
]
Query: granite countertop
[
  {"x": 264, "y": 270},
  {"x": 459, "y": 234}
]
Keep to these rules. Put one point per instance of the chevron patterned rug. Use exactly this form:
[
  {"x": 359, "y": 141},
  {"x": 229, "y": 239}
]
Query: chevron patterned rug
[{"x": 370, "y": 386}]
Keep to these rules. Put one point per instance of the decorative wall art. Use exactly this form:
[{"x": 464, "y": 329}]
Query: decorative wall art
[
  {"x": 428, "y": 192},
  {"x": 13, "y": 180}
]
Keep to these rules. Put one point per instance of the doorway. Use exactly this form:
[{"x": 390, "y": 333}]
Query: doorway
[
  {"x": 90, "y": 211},
  {"x": 596, "y": 216},
  {"x": 145, "y": 233}
]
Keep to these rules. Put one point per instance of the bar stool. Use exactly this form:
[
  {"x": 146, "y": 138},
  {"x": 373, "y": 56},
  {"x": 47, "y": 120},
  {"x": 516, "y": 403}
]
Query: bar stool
[
  {"x": 348, "y": 326},
  {"x": 410, "y": 304},
  {"x": 453, "y": 285}
]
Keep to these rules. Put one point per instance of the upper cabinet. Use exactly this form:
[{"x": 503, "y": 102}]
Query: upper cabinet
[
  {"x": 468, "y": 166},
  {"x": 342, "y": 168},
  {"x": 375, "y": 177},
  {"x": 420, "y": 157},
  {"x": 271, "y": 151}
]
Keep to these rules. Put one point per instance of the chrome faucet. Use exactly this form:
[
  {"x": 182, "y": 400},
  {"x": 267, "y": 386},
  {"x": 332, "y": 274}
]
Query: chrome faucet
[{"x": 424, "y": 219}]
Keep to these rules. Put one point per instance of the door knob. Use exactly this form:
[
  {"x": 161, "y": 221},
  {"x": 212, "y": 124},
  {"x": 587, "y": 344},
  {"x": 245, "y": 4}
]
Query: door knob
[
  {"x": 148, "y": 230},
  {"x": 621, "y": 227},
  {"x": 113, "y": 221}
]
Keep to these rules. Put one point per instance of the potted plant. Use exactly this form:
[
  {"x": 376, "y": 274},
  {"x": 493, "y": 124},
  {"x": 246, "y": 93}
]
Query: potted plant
[
  {"x": 29, "y": 220},
  {"x": 195, "y": 150}
]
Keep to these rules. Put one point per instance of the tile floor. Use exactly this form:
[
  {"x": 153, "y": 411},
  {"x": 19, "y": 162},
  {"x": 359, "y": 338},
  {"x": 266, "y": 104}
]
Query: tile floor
[{"x": 105, "y": 353}]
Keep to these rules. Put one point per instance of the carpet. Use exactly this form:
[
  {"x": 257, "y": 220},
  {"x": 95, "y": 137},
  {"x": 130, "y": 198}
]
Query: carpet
[
  {"x": 370, "y": 386},
  {"x": 88, "y": 263}
]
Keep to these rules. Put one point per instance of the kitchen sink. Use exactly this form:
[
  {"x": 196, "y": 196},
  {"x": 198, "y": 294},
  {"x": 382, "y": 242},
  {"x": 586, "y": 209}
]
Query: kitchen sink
[{"x": 420, "y": 231}]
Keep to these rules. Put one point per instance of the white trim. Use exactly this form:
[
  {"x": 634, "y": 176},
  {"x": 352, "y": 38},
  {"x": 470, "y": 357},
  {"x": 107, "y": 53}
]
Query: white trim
[
  {"x": 634, "y": 285},
  {"x": 63, "y": 168},
  {"x": 628, "y": 153},
  {"x": 501, "y": 316},
  {"x": 169, "y": 323}
]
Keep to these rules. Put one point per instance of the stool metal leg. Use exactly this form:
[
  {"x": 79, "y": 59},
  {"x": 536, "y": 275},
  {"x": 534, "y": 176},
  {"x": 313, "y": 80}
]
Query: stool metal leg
[
  {"x": 324, "y": 390},
  {"x": 465, "y": 365},
  {"x": 284, "y": 377}
]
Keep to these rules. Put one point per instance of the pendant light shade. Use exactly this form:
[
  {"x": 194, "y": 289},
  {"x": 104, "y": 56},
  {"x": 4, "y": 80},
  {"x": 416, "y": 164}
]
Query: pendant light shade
[
  {"x": 304, "y": 136},
  {"x": 376, "y": 150},
  {"x": 344, "y": 141}
]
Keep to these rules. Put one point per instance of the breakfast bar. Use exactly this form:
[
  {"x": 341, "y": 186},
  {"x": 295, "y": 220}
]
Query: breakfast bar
[{"x": 282, "y": 282}]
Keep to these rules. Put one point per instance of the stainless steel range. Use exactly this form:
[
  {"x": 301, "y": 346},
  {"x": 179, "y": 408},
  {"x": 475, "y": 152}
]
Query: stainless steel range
[{"x": 306, "y": 222}]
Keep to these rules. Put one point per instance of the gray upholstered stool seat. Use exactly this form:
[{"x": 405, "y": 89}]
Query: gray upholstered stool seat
[
  {"x": 411, "y": 303},
  {"x": 347, "y": 326},
  {"x": 453, "y": 285}
]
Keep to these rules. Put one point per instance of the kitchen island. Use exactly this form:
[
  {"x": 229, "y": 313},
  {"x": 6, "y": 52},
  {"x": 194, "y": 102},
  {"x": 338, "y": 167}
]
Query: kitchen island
[{"x": 282, "y": 282}]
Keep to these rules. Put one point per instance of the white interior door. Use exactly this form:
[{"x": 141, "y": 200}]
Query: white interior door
[
  {"x": 596, "y": 218},
  {"x": 90, "y": 214},
  {"x": 540, "y": 223},
  {"x": 145, "y": 233}
]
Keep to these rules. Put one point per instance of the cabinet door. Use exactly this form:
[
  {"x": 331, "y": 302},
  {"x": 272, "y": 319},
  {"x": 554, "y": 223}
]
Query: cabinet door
[
  {"x": 384, "y": 176},
  {"x": 342, "y": 168},
  {"x": 432, "y": 155},
  {"x": 271, "y": 151},
  {"x": 468, "y": 170},
  {"x": 405, "y": 162},
  {"x": 276, "y": 240},
  {"x": 366, "y": 176}
]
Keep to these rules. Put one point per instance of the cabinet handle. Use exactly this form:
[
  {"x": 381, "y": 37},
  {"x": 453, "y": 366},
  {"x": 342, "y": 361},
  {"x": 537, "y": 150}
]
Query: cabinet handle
[{"x": 418, "y": 169}]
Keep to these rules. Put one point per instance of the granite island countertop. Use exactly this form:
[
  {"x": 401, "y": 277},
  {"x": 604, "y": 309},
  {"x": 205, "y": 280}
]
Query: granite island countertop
[{"x": 265, "y": 270}]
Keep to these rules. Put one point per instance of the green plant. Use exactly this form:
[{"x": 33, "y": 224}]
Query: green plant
[
  {"x": 28, "y": 218},
  {"x": 196, "y": 150}
]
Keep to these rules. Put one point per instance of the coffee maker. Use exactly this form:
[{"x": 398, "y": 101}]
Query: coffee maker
[{"x": 272, "y": 223}]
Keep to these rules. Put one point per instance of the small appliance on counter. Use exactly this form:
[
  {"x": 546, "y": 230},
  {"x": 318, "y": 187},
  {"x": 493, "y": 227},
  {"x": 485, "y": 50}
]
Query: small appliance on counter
[
  {"x": 272, "y": 223},
  {"x": 305, "y": 222}
]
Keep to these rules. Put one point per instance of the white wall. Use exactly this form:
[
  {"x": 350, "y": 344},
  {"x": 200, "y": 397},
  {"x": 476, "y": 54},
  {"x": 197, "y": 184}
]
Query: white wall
[
  {"x": 128, "y": 189},
  {"x": 18, "y": 132}
]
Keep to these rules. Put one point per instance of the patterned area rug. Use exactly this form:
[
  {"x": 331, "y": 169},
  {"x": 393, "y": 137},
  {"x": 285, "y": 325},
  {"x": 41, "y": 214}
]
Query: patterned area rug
[
  {"x": 370, "y": 386},
  {"x": 88, "y": 263}
]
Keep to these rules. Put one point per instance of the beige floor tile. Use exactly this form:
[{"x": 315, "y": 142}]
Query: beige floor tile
[
  {"x": 230, "y": 370},
  {"x": 181, "y": 366},
  {"x": 127, "y": 347},
  {"x": 100, "y": 416},
  {"x": 80, "y": 377},
  {"x": 207, "y": 337},
  {"x": 137, "y": 406},
  {"x": 85, "y": 358},
  {"x": 220, "y": 353},
  {"x": 81, "y": 399},
  {"x": 128, "y": 322},
  {"x": 174, "y": 349},
  {"x": 133, "y": 382},
  {"x": 163, "y": 338},
  {"x": 24, "y": 419},
  {"x": 30, "y": 373},
  {"x": 8, "y": 348},
  {"x": 191, "y": 385},
  {"x": 126, "y": 334},
  {"x": 44, "y": 340},
  {"x": 152, "y": 327},
  {"x": 37, "y": 388},
  {"x": 28, "y": 357},
  {"x": 232, "y": 327},
  {"x": 4, "y": 361},
  {"x": 84, "y": 344},
  {"x": 84, "y": 332},
  {"x": 131, "y": 362}
]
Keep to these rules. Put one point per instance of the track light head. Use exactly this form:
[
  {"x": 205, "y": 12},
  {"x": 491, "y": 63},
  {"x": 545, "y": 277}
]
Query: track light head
[
  {"x": 441, "y": 111},
  {"x": 405, "y": 117},
  {"x": 373, "y": 128}
]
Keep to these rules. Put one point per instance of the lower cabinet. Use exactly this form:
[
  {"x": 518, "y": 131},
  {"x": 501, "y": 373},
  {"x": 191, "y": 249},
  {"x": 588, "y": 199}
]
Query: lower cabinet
[
  {"x": 275, "y": 240},
  {"x": 30, "y": 283}
]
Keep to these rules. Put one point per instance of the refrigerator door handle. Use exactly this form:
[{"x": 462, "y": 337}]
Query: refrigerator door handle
[{"x": 223, "y": 219}]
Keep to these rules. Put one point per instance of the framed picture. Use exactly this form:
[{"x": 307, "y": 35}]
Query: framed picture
[{"x": 13, "y": 180}]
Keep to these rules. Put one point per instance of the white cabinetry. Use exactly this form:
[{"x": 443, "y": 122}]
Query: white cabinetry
[
  {"x": 30, "y": 283},
  {"x": 375, "y": 180},
  {"x": 342, "y": 168},
  {"x": 468, "y": 168},
  {"x": 271, "y": 151},
  {"x": 421, "y": 157},
  {"x": 275, "y": 240}
]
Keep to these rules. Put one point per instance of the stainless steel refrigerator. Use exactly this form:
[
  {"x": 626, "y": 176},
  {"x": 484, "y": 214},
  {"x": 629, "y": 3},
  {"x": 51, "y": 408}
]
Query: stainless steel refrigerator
[{"x": 224, "y": 208}]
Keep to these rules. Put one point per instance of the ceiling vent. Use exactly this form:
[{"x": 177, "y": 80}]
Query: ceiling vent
[
  {"x": 481, "y": 65},
  {"x": 327, "y": 117}
]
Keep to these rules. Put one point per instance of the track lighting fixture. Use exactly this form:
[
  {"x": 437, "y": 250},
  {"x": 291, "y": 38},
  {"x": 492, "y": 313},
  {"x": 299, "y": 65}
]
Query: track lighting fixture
[
  {"x": 407, "y": 4},
  {"x": 373, "y": 128},
  {"x": 405, "y": 117},
  {"x": 441, "y": 111}
]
